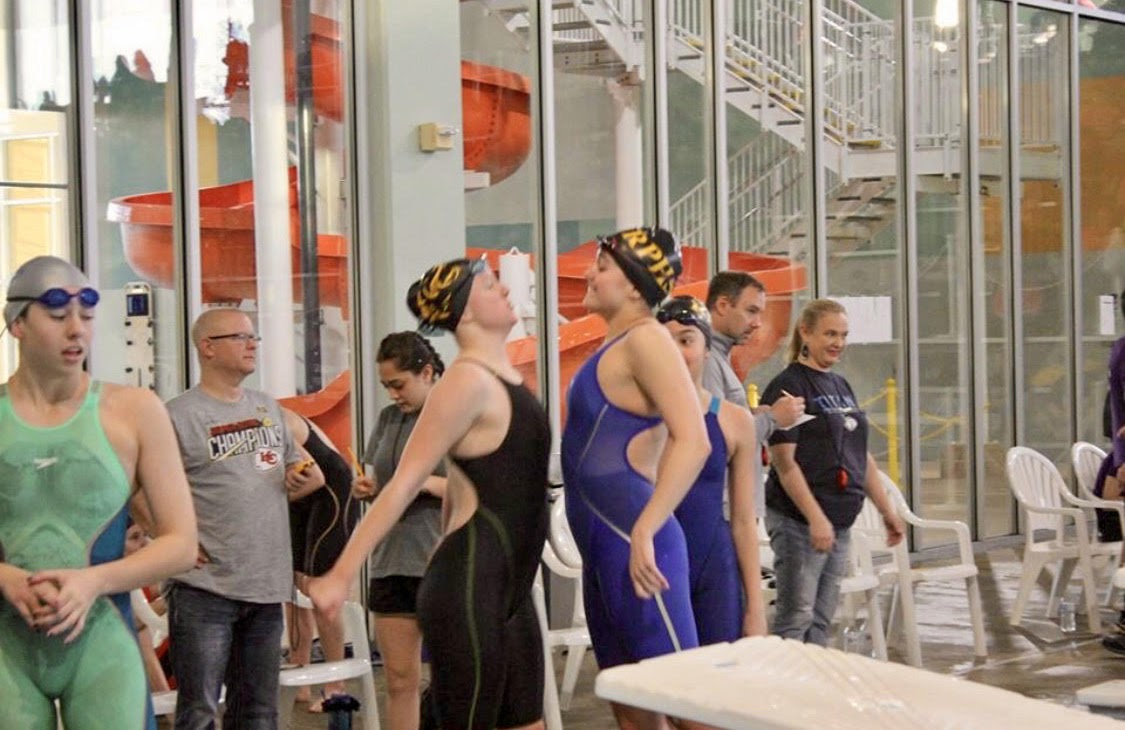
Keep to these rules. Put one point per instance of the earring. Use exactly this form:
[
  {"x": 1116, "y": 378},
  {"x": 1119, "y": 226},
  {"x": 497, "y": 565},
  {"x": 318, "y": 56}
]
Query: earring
[{"x": 804, "y": 350}]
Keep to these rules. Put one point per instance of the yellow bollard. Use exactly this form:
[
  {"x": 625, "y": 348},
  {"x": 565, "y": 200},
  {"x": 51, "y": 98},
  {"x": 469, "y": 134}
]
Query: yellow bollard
[
  {"x": 752, "y": 395},
  {"x": 892, "y": 432}
]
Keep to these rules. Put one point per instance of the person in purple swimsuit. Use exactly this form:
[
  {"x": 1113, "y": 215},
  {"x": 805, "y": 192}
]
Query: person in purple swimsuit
[
  {"x": 1110, "y": 483},
  {"x": 722, "y": 557},
  {"x": 630, "y": 407}
]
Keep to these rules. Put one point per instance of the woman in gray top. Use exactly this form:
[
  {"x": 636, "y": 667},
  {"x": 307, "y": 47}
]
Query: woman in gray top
[{"x": 408, "y": 369}]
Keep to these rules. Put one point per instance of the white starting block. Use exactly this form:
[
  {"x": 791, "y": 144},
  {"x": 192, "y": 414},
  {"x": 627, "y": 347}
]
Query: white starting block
[
  {"x": 797, "y": 686},
  {"x": 1105, "y": 697}
]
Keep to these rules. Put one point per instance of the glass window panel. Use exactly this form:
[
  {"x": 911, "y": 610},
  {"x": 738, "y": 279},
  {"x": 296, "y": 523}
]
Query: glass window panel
[
  {"x": 37, "y": 91},
  {"x": 769, "y": 170},
  {"x": 690, "y": 175},
  {"x": 861, "y": 211},
  {"x": 33, "y": 222},
  {"x": 1101, "y": 273},
  {"x": 605, "y": 181},
  {"x": 133, "y": 113},
  {"x": 1045, "y": 232},
  {"x": 996, "y": 514},
  {"x": 35, "y": 88},
  {"x": 944, "y": 389},
  {"x": 271, "y": 154},
  {"x": 502, "y": 189}
]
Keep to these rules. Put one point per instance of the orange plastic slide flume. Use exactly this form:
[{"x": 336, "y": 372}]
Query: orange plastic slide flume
[
  {"x": 497, "y": 138},
  {"x": 583, "y": 333}
]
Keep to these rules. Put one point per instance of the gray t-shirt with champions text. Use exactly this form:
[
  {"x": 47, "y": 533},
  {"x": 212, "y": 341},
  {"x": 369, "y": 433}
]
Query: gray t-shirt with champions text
[{"x": 235, "y": 456}]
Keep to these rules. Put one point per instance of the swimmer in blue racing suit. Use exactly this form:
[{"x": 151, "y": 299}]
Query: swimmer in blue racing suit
[
  {"x": 723, "y": 558},
  {"x": 630, "y": 407}
]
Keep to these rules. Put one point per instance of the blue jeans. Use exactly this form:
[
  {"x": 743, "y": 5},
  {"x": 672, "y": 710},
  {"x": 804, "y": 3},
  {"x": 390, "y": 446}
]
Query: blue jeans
[
  {"x": 808, "y": 582},
  {"x": 218, "y": 641}
]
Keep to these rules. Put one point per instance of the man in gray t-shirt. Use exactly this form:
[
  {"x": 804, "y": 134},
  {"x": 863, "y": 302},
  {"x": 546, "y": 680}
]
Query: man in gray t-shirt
[
  {"x": 237, "y": 453},
  {"x": 736, "y": 301}
]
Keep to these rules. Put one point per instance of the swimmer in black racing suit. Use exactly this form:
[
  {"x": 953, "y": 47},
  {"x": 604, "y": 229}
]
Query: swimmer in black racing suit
[{"x": 474, "y": 604}]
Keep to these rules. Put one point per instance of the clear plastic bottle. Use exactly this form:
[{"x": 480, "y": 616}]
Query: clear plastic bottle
[
  {"x": 855, "y": 640},
  {"x": 1067, "y": 623}
]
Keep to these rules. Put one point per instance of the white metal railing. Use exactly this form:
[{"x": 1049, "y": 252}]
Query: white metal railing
[
  {"x": 765, "y": 49},
  {"x": 770, "y": 205},
  {"x": 1044, "y": 116},
  {"x": 690, "y": 216},
  {"x": 937, "y": 83},
  {"x": 859, "y": 80},
  {"x": 766, "y": 197},
  {"x": 626, "y": 15}
]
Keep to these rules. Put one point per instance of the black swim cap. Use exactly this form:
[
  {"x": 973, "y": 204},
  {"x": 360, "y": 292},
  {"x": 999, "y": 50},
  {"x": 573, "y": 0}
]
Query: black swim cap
[
  {"x": 688, "y": 311},
  {"x": 650, "y": 258},
  {"x": 439, "y": 298}
]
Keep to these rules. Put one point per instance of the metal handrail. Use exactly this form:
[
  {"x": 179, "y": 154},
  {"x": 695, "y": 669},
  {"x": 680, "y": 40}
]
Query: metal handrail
[{"x": 764, "y": 52}]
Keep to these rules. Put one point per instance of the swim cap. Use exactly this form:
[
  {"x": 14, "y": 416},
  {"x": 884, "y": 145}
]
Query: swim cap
[
  {"x": 439, "y": 298},
  {"x": 688, "y": 311},
  {"x": 36, "y": 276},
  {"x": 650, "y": 258}
]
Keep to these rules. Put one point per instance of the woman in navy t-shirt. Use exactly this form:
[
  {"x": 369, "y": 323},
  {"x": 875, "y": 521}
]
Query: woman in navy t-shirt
[{"x": 820, "y": 473}]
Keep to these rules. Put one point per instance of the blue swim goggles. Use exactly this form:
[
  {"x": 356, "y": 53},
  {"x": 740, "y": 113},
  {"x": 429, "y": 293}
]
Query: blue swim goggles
[{"x": 57, "y": 298}]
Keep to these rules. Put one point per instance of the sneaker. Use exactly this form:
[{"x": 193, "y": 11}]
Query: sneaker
[{"x": 1115, "y": 644}]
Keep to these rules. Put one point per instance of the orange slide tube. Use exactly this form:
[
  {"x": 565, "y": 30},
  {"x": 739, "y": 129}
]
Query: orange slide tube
[{"x": 497, "y": 139}]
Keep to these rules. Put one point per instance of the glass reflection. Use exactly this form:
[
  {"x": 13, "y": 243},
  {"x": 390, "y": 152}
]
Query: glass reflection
[
  {"x": 861, "y": 213},
  {"x": 133, "y": 118},
  {"x": 995, "y": 511},
  {"x": 1101, "y": 272},
  {"x": 34, "y": 145},
  {"x": 941, "y": 206},
  {"x": 769, "y": 170},
  {"x": 501, "y": 170},
  {"x": 1045, "y": 234}
]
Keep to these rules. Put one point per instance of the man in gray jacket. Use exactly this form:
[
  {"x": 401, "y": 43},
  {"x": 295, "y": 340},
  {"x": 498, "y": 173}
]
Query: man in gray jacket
[{"x": 736, "y": 301}]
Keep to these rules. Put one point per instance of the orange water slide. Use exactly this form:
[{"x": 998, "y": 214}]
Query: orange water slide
[
  {"x": 497, "y": 138},
  {"x": 582, "y": 333}
]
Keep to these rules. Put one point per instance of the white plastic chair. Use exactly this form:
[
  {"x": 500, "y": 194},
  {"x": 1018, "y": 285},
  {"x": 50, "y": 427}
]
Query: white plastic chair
[
  {"x": 358, "y": 669},
  {"x": 163, "y": 703},
  {"x": 906, "y": 577},
  {"x": 157, "y": 624},
  {"x": 1086, "y": 458},
  {"x": 765, "y": 550},
  {"x": 552, "y": 717},
  {"x": 863, "y": 580},
  {"x": 560, "y": 553},
  {"x": 1041, "y": 493}
]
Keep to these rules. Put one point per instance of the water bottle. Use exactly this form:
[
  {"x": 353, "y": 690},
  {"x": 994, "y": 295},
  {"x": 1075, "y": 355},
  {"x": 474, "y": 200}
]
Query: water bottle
[{"x": 1066, "y": 616}]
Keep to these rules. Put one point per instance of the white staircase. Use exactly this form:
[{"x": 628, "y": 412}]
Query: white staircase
[{"x": 765, "y": 79}]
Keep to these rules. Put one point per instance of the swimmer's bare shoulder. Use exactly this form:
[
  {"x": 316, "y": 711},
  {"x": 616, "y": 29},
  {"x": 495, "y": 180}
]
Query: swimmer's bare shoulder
[{"x": 136, "y": 420}]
